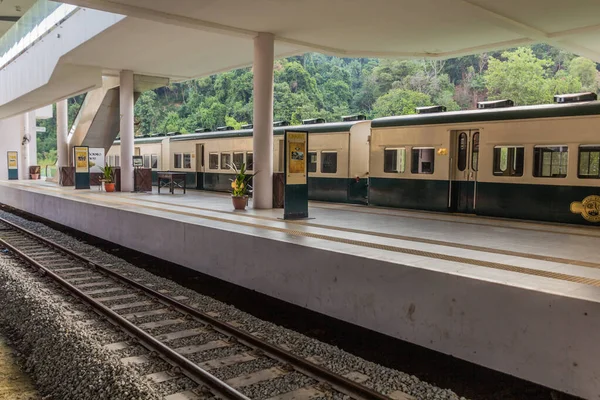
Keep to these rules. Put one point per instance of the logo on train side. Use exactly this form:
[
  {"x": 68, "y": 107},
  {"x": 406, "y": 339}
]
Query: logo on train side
[{"x": 589, "y": 208}]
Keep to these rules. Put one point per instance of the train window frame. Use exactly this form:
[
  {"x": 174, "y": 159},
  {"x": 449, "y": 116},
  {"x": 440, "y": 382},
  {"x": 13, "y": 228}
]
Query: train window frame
[
  {"x": 312, "y": 166},
  {"x": 238, "y": 153},
  {"x": 177, "y": 160},
  {"x": 539, "y": 155},
  {"x": 109, "y": 160},
  {"x": 210, "y": 161},
  {"x": 475, "y": 152},
  {"x": 249, "y": 164},
  {"x": 187, "y": 161},
  {"x": 400, "y": 162},
  {"x": 588, "y": 148},
  {"x": 117, "y": 161},
  {"x": 463, "y": 149},
  {"x": 224, "y": 164},
  {"x": 324, "y": 156},
  {"x": 154, "y": 161},
  {"x": 511, "y": 168},
  {"x": 146, "y": 160},
  {"x": 416, "y": 166}
]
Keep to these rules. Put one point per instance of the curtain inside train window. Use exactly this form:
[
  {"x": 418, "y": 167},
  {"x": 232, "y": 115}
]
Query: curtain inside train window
[
  {"x": 508, "y": 160},
  {"x": 423, "y": 160}
]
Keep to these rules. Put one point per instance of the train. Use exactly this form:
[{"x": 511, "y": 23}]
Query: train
[{"x": 526, "y": 162}]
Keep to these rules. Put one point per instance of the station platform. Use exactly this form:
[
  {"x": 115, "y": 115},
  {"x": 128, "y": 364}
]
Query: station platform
[{"x": 515, "y": 296}]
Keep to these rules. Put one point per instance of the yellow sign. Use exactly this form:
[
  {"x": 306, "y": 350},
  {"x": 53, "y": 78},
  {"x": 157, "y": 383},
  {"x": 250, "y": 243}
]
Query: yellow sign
[
  {"x": 81, "y": 159},
  {"x": 442, "y": 152},
  {"x": 296, "y": 158},
  {"x": 589, "y": 208},
  {"x": 12, "y": 160}
]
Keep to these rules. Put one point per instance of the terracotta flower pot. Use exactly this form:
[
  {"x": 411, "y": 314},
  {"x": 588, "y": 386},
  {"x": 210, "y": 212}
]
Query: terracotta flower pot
[
  {"x": 109, "y": 187},
  {"x": 239, "y": 202},
  {"x": 35, "y": 176}
]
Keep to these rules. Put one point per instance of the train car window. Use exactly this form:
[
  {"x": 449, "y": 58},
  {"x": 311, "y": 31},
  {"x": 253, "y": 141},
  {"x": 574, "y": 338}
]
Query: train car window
[
  {"x": 117, "y": 161},
  {"x": 187, "y": 160},
  {"x": 238, "y": 159},
  {"x": 550, "y": 161},
  {"x": 394, "y": 160},
  {"x": 328, "y": 162},
  {"x": 154, "y": 161},
  {"x": 475, "y": 152},
  {"x": 250, "y": 161},
  {"x": 178, "y": 161},
  {"x": 462, "y": 151},
  {"x": 109, "y": 161},
  {"x": 225, "y": 161},
  {"x": 589, "y": 162},
  {"x": 423, "y": 160},
  {"x": 213, "y": 161},
  {"x": 146, "y": 161},
  {"x": 312, "y": 161},
  {"x": 508, "y": 160}
]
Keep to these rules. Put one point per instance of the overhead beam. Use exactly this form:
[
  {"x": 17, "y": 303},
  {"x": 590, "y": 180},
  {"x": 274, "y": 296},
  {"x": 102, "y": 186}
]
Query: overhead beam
[{"x": 9, "y": 18}]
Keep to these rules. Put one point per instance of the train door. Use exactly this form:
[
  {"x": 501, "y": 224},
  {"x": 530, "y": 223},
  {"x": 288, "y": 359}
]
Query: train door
[
  {"x": 200, "y": 166},
  {"x": 465, "y": 164}
]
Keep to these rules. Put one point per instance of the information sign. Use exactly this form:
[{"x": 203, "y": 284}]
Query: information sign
[
  {"x": 13, "y": 165},
  {"x": 295, "y": 203},
  {"x": 82, "y": 167}
]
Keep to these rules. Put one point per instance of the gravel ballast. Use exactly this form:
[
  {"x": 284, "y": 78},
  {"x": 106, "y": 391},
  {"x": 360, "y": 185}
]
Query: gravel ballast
[
  {"x": 380, "y": 378},
  {"x": 64, "y": 357}
]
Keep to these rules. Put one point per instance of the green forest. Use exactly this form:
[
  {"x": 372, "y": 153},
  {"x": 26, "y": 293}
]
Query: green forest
[{"x": 314, "y": 85}]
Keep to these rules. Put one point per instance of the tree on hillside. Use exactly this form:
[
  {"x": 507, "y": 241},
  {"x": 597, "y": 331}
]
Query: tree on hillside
[
  {"x": 400, "y": 102},
  {"x": 586, "y": 71},
  {"x": 526, "y": 79}
]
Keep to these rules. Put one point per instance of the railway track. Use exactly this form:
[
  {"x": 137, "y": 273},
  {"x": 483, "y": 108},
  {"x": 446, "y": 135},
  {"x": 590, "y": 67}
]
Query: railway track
[{"x": 161, "y": 324}]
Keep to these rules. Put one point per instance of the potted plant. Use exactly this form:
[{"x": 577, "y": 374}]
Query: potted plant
[
  {"x": 108, "y": 177},
  {"x": 241, "y": 187}
]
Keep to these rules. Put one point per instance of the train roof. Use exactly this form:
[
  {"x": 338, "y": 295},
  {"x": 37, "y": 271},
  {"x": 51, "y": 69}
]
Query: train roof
[
  {"x": 496, "y": 114},
  {"x": 332, "y": 127}
]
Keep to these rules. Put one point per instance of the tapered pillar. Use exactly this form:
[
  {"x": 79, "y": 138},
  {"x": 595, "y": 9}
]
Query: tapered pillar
[
  {"x": 62, "y": 131},
  {"x": 126, "y": 133},
  {"x": 263, "y": 120}
]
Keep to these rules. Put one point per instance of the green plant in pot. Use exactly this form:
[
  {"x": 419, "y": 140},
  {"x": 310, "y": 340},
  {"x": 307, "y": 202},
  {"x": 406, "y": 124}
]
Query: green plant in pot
[
  {"x": 241, "y": 186},
  {"x": 108, "y": 178}
]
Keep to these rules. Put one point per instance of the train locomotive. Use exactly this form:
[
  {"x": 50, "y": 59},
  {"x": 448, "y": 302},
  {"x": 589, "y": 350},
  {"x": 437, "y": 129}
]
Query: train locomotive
[{"x": 527, "y": 162}]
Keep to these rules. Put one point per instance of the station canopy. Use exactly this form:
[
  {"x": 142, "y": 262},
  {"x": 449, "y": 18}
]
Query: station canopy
[{"x": 184, "y": 39}]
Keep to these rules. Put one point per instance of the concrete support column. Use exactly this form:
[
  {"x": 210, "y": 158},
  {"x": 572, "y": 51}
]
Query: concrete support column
[
  {"x": 126, "y": 103},
  {"x": 25, "y": 138},
  {"x": 62, "y": 132},
  {"x": 264, "y": 49}
]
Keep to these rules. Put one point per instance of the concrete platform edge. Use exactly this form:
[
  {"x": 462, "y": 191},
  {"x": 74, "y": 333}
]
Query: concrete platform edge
[{"x": 541, "y": 337}]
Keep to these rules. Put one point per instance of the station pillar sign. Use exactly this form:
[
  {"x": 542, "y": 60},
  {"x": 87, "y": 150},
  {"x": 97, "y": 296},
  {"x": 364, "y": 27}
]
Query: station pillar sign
[
  {"x": 295, "y": 203},
  {"x": 82, "y": 167},
  {"x": 13, "y": 164}
]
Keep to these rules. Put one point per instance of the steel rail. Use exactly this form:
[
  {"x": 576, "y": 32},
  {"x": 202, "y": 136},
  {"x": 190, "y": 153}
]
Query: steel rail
[
  {"x": 186, "y": 367},
  {"x": 321, "y": 374}
]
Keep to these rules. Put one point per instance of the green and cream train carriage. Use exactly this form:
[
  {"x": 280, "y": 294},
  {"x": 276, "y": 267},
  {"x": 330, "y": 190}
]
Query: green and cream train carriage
[
  {"x": 534, "y": 162},
  {"x": 338, "y": 157}
]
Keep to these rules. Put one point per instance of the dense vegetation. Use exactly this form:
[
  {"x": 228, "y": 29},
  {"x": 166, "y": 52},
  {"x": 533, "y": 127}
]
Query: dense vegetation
[{"x": 314, "y": 85}]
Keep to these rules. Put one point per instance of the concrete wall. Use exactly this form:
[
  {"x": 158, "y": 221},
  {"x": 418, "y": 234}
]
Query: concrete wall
[
  {"x": 10, "y": 140},
  {"x": 539, "y": 335}
]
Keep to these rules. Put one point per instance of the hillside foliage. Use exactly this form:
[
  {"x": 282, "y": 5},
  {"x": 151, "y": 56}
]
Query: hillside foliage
[{"x": 314, "y": 85}]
